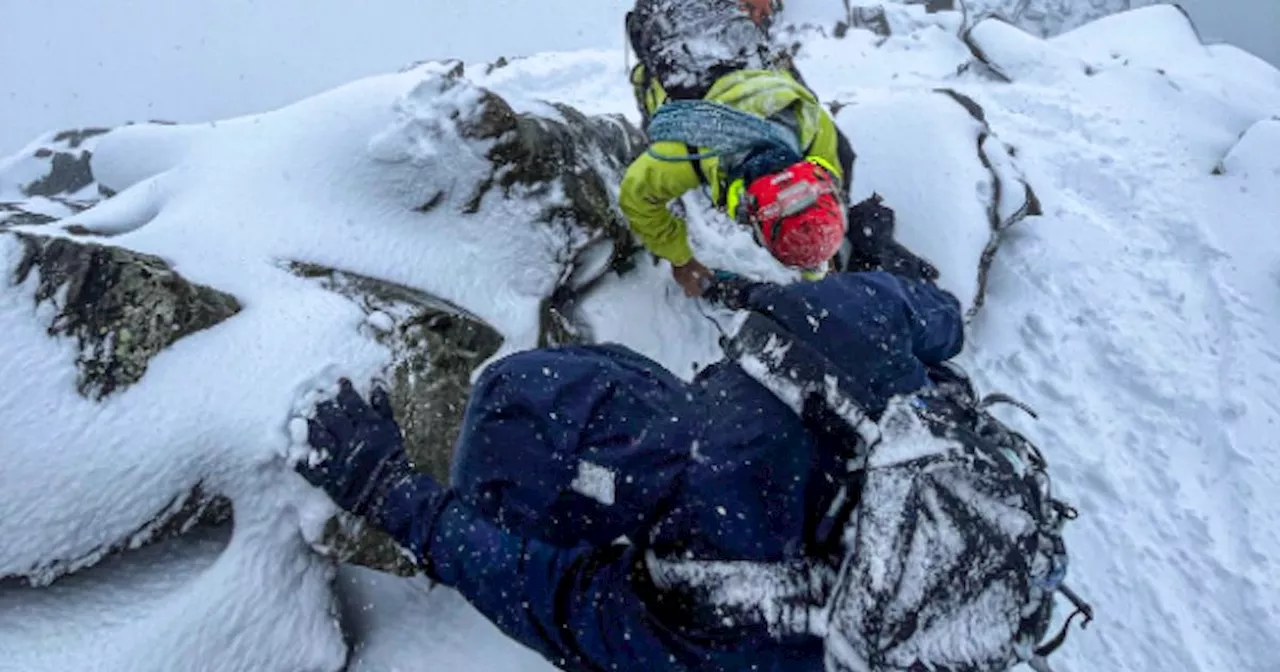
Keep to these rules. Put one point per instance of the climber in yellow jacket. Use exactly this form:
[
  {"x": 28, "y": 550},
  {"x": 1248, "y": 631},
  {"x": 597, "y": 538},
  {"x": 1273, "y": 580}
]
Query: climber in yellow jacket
[{"x": 710, "y": 51}]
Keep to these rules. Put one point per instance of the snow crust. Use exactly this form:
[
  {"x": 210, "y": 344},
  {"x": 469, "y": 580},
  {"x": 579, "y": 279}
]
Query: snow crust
[{"x": 1137, "y": 315}]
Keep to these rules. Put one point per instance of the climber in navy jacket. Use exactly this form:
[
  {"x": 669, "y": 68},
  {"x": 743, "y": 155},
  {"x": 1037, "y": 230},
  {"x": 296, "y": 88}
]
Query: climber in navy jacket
[{"x": 579, "y": 468}]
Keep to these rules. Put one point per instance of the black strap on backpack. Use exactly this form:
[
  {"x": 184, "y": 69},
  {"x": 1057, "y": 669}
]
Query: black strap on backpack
[
  {"x": 953, "y": 385},
  {"x": 697, "y": 166},
  {"x": 825, "y": 398}
]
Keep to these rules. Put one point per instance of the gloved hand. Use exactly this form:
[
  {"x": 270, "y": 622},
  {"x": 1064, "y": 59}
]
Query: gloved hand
[
  {"x": 873, "y": 247},
  {"x": 361, "y": 453},
  {"x": 728, "y": 289}
]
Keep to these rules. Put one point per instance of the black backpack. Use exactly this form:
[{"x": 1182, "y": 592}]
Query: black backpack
[
  {"x": 945, "y": 538},
  {"x": 689, "y": 44}
]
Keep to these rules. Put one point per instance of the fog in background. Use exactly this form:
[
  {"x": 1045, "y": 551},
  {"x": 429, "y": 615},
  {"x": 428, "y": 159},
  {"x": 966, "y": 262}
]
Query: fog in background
[{"x": 68, "y": 63}]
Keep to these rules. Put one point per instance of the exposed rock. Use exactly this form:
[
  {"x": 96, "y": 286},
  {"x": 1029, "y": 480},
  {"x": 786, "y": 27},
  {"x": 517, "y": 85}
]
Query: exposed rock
[
  {"x": 68, "y": 174},
  {"x": 435, "y": 345},
  {"x": 581, "y": 157},
  {"x": 36, "y": 212},
  {"x": 1012, "y": 198},
  {"x": 502, "y": 62},
  {"x": 872, "y": 18},
  {"x": 122, "y": 307},
  {"x": 14, "y": 214},
  {"x": 53, "y": 181},
  {"x": 65, "y": 158},
  {"x": 194, "y": 508},
  {"x": 76, "y": 137},
  {"x": 577, "y": 153},
  {"x": 1045, "y": 18}
]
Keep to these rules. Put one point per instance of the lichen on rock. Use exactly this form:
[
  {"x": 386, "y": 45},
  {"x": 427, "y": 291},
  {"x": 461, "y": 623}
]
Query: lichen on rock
[
  {"x": 122, "y": 307},
  {"x": 435, "y": 347},
  {"x": 580, "y": 160}
]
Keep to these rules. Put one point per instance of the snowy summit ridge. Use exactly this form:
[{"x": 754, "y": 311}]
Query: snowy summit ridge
[{"x": 1102, "y": 201}]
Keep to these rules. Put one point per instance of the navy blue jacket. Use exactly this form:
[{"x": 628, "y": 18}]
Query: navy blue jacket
[{"x": 719, "y": 469}]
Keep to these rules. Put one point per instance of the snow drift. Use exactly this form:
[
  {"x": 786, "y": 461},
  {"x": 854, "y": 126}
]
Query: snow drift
[{"x": 1101, "y": 203}]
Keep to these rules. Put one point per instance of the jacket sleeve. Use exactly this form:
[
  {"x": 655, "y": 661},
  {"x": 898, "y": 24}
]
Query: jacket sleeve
[
  {"x": 648, "y": 187},
  {"x": 937, "y": 323},
  {"x": 880, "y": 310},
  {"x": 580, "y": 608}
]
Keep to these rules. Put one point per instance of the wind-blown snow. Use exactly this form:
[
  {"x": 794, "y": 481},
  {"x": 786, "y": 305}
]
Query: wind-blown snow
[{"x": 1137, "y": 315}]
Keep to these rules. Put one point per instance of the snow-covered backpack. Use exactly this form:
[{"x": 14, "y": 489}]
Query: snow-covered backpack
[
  {"x": 688, "y": 44},
  {"x": 946, "y": 536}
]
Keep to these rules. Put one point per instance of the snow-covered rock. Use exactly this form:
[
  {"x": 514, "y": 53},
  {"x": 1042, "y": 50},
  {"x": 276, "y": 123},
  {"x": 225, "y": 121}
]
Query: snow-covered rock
[
  {"x": 249, "y": 289},
  {"x": 1135, "y": 313},
  {"x": 122, "y": 308},
  {"x": 954, "y": 185},
  {"x": 49, "y": 179},
  {"x": 1257, "y": 154},
  {"x": 1046, "y": 18},
  {"x": 1041, "y": 18}
]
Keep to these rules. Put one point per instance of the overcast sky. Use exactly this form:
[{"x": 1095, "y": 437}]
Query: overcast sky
[
  {"x": 66, "y": 63},
  {"x": 1250, "y": 24},
  {"x": 76, "y": 62}
]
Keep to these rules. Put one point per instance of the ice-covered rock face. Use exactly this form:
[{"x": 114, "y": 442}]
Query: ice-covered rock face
[{"x": 403, "y": 228}]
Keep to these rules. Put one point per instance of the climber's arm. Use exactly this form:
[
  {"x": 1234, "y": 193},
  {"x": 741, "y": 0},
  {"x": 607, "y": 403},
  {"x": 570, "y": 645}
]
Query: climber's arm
[{"x": 648, "y": 188}]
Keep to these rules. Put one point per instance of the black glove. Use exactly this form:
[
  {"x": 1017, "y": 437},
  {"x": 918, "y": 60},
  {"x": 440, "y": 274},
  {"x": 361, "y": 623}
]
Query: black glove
[
  {"x": 728, "y": 289},
  {"x": 873, "y": 247},
  {"x": 361, "y": 451},
  {"x": 871, "y": 225}
]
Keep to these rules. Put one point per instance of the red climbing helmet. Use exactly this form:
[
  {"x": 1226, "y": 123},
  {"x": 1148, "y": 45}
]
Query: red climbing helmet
[{"x": 797, "y": 214}]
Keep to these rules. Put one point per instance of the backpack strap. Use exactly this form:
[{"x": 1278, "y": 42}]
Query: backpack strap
[
  {"x": 697, "y": 166},
  {"x": 825, "y": 399},
  {"x": 719, "y": 599},
  {"x": 952, "y": 384}
]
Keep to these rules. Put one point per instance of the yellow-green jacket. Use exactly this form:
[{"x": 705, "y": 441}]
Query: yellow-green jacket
[{"x": 650, "y": 184}]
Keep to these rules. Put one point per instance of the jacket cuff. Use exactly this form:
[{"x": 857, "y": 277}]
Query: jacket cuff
[
  {"x": 679, "y": 253},
  {"x": 407, "y": 507}
]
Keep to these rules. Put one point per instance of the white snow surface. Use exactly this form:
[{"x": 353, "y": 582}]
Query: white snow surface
[{"x": 1137, "y": 315}]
